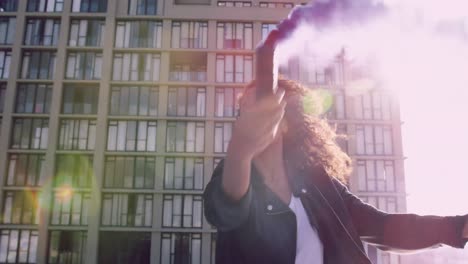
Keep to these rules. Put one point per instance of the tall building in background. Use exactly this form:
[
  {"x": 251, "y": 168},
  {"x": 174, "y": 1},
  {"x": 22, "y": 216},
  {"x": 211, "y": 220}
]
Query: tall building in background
[{"x": 114, "y": 113}]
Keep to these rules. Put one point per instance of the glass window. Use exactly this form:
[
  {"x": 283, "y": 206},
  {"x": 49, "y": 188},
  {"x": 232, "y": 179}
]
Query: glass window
[
  {"x": 86, "y": 33},
  {"x": 67, "y": 247},
  {"x": 7, "y": 30},
  {"x": 181, "y": 248},
  {"x": 80, "y": 99},
  {"x": 25, "y": 170},
  {"x": 5, "y": 60},
  {"x": 187, "y": 73},
  {"x": 234, "y": 3},
  {"x": 18, "y": 246},
  {"x": 337, "y": 109},
  {"x": 372, "y": 140},
  {"x": 182, "y": 211},
  {"x": 42, "y": 32},
  {"x": 373, "y": 105},
  {"x": 342, "y": 139},
  {"x": 189, "y": 34},
  {"x": 131, "y": 136},
  {"x": 385, "y": 203},
  {"x": 136, "y": 66},
  {"x": 33, "y": 98},
  {"x": 132, "y": 247},
  {"x": 266, "y": 28},
  {"x": 227, "y": 101},
  {"x": 8, "y": 5},
  {"x": 124, "y": 209},
  {"x": 183, "y": 101},
  {"x": 234, "y": 35},
  {"x": 2, "y": 96},
  {"x": 73, "y": 171},
  {"x": 20, "y": 207},
  {"x": 84, "y": 66},
  {"x": 91, "y": 6},
  {"x": 216, "y": 161},
  {"x": 138, "y": 34},
  {"x": 376, "y": 175},
  {"x": 183, "y": 173},
  {"x": 222, "y": 136},
  {"x": 77, "y": 134},
  {"x": 234, "y": 68},
  {"x": 45, "y": 6},
  {"x": 70, "y": 208},
  {"x": 30, "y": 133},
  {"x": 185, "y": 136},
  {"x": 38, "y": 65},
  {"x": 134, "y": 101},
  {"x": 142, "y": 7},
  {"x": 130, "y": 172}
]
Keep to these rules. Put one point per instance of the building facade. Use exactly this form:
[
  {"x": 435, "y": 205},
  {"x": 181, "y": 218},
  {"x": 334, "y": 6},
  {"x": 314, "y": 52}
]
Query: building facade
[{"x": 113, "y": 114}]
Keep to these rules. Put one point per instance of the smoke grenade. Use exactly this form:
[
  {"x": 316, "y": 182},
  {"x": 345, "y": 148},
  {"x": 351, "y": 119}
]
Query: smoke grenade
[{"x": 321, "y": 15}]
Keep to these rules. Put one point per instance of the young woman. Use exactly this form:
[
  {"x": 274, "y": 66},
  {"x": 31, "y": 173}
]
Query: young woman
[{"x": 279, "y": 195}]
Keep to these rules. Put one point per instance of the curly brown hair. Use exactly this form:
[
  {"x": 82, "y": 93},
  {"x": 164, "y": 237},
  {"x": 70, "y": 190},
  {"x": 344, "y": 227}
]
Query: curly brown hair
[{"x": 310, "y": 143}]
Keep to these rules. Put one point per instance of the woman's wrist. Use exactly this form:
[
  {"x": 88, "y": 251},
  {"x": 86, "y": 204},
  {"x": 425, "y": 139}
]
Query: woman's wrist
[{"x": 238, "y": 150}]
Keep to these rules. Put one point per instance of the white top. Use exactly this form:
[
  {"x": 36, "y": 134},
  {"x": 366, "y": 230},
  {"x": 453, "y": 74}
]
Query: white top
[{"x": 309, "y": 248}]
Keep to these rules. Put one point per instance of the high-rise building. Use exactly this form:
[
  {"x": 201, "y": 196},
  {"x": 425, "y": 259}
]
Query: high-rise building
[{"x": 113, "y": 114}]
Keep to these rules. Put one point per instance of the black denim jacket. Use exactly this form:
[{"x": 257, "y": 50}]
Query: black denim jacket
[{"x": 260, "y": 228}]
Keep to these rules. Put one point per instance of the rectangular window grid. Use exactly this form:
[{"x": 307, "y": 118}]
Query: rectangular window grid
[
  {"x": 45, "y": 6},
  {"x": 20, "y": 207},
  {"x": 77, "y": 134},
  {"x": 18, "y": 246},
  {"x": 188, "y": 101},
  {"x": 38, "y": 65},
  {"x": 86, "y": 33},
  {"x": 374, "y": 140},
  {"x": 337, "y": 109},
  {"x": 185, "y": 136},
  {"x": 234, "y": 68},
  {"x": 234, "y": 4},
  {"x": 189, "y": 34},
  {"x": 5, "y": 60},
  {"x": 373, "y": 105},
  {"x": 25, "y": 170},
  {"x": 2, "y": 96},
  {"x": 133, "y": 210},
  {"x": 70, "y": 208},
  {"x": 90, "y": 6},
  {"x": 142, "y": 7},
  {"x": 33, "y": 98},
  {"x": 222, "y": 136},
  {"x": 131, "y": 136},
  {"x": 234, "y": 35},
  {"x": 227, "y": 101},
  {"x": 80, "y": 99},
  {"x": 182, "y": 210},
  {"x": 9, "y": 5},
  {"x": 73, "y": 170},
  {"x": 84, "y": 65},
  {"x": 42, "y": 32},
  {"x": 136, "y": 66},
  {"x": 138, "y": 34},
  {"x": 30, "y": 133},
  {"x": 385, "y": 203},
  {"x": 181, "y": 248},
  {"x": 183, "y": 173},
  {"x": 376, "y": 175},
  {"x": 67, "y": 247},
  {"x": 7, "y": 30},
  {"x": 130, "y": 172},
  {"x": 134, "y": 101}
]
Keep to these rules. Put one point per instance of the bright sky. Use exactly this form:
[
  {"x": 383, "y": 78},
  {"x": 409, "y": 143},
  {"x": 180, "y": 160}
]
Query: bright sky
[{"x": 435, "y": 142}]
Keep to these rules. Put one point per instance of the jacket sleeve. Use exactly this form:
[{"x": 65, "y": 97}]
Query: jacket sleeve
[
  {"x": 402, "y": 232},
  {"x": 221, "y": 211}
]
